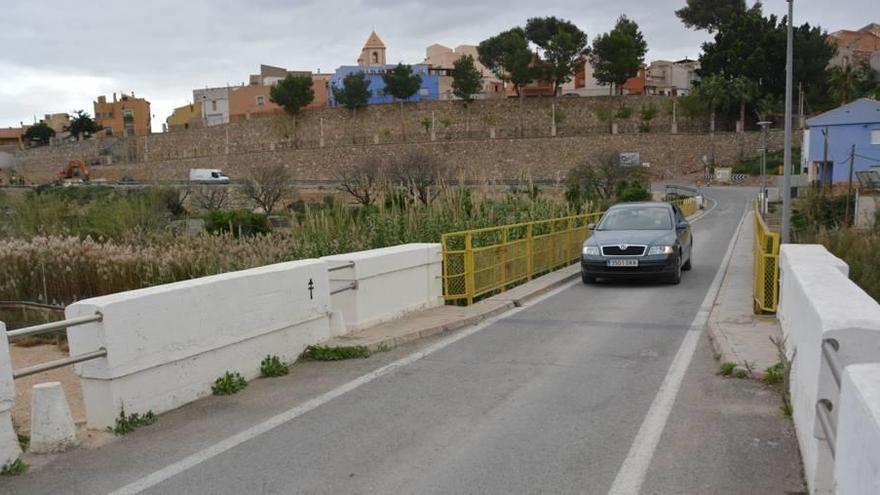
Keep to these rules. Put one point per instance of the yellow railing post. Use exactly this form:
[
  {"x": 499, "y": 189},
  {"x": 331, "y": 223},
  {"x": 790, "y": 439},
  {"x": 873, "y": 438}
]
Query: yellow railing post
[
  {"x": 529, "y": 252},
  {"x": 470, "y": 279},
  {"x": 505, "y": 258}
]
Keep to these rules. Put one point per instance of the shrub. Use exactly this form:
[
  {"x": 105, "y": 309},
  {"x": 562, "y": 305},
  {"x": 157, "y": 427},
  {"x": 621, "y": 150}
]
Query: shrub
[
  {"x": 127, "y": 424},
  {"x": 237, "y": 222},
  {"x": 326, "y": 353},
  {"x": 272, "y": 366},
  {"x": 633, "y": 191},
  {"x": 14, "y": 468},
  {"x": 228, "y": 384}
]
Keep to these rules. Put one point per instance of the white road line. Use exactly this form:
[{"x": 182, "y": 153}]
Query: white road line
[
  {"x": 632, "y": 472},
  {"x": 222, "y": 446}
]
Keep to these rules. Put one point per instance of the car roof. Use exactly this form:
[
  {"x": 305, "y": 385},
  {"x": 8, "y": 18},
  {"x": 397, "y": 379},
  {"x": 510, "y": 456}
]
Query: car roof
[{"x": 641, "y": 204}]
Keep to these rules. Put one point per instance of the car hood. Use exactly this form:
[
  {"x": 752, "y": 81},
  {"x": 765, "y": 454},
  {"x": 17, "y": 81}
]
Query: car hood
[{"x": 646, "y": 237}]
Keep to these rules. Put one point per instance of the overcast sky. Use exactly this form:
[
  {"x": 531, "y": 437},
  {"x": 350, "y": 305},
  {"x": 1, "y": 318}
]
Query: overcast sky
[{"x": 60, "y": 55}]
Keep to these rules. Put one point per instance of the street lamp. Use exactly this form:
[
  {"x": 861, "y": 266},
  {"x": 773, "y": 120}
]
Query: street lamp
[
  {"x": 786, "y": 160},
  {"x": 764, "y": 125}
]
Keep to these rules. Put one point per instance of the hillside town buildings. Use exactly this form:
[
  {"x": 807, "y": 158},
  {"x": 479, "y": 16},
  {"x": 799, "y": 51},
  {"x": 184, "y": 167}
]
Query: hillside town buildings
[{"x": 124, "y": 116}]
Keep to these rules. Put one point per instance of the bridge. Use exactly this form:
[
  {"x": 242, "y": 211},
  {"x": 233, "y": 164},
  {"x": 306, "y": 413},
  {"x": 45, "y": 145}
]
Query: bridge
[{"x": 530, "y": 382}]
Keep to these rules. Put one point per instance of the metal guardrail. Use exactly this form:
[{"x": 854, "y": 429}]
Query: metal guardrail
[
  {"x": 688, "y": 206},
  {"x": 51, "y": 327},
  {"x": 766, "y": 265},
  {"x": 484, "y": 261},
  {"x": 341, "y": 267},
  {"x": 824, "y": 406},
  {"x": 350, "y": 286}
]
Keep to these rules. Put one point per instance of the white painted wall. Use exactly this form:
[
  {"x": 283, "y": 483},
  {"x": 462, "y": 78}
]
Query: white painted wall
[
  {"x": 857, "y": 463},
  {"x": 9, "y": 448},
  {"x": 818, "y": 301},
  {"x": 167, "y": 344},
  {"x": 391, "y": 282}
]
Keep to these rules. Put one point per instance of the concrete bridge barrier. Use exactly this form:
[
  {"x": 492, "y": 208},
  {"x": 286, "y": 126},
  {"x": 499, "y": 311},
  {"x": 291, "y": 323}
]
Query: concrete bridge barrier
[
  {"x": 390, "y": 282},
  {"x": 166, "y": 344},
  {"x": 829, "y": 323}
]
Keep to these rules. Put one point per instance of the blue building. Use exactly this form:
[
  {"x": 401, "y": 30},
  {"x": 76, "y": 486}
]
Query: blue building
[
  {"x": 856, "y": 123},
  {"x": 430, "y": 89},
  {"x": 372, "y": 63}
]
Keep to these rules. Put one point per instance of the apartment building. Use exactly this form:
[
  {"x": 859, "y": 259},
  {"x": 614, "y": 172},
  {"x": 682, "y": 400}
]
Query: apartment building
[{"x": 126, "y": 115}]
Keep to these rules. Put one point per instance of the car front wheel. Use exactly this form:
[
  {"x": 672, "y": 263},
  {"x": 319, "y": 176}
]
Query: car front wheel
[
  {"x": 587, "y": 279},
  {"x": 675, "y": 276}
]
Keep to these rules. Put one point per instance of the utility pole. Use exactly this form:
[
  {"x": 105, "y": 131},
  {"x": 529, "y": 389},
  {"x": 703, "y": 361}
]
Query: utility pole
[
  {"x": 800, "y": 106},
  {"x": 852, "y": 158},
  {"x": 824, "y": 159},
  {"x": 786, "y": 161}
]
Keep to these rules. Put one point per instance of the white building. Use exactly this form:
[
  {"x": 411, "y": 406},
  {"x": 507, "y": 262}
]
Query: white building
[
  {"x": 215, "y": 105},
  {"x": 671, "y": 78}
]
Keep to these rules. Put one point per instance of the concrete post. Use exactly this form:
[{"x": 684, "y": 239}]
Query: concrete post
[
  {"x": 553, "y": 120},
  {"x": 491, "y": 133},
  {"x": 52, "y": 428},
  {"x": 433, "y": 127},
  {"x": 321, "y": 141},
  {"x": 375, "y": 139},
  {"x": 614, "y": 128},
  {"x": 227, "y": 140},
  {"x": 9, "y": 448}
]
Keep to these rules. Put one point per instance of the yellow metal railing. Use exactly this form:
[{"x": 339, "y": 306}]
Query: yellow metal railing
[
  {"x": 489, "y": 260},
  {"x": 766, "y": 252},
  {"x": 688, "y": 206}
]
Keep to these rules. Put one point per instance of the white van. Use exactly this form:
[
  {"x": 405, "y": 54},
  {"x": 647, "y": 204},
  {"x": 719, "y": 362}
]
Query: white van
[{"x": 208, "y": 175}]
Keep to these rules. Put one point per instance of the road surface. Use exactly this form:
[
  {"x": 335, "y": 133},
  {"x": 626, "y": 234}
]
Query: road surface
[{"x": 591, "y": 389}]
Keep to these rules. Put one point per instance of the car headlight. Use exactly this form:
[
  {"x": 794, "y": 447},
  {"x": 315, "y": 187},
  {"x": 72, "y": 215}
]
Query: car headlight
[
  {"x": 591, "y": 251},
  {"x": 660, "y": 250}
]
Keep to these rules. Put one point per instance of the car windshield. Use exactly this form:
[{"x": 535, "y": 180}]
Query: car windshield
[{"x": 646, "y": 218}]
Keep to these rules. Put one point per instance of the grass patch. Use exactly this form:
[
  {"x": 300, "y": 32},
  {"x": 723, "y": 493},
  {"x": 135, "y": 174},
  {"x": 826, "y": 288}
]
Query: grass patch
[
  {"x": 740, "y": 373},
  {"x": 128, "y": 423},
  {"x": 229, "y": 384},
  {"x": 782, "y": 374},
  {"x": 774, "y": 374},
  {"x": 14, "y": 468},
  {"x": 327, "y": 353},
  {"x": 24, "y": 441},
  {"x": 727, "y": 369},
  {"x": 272, "y": 366}
]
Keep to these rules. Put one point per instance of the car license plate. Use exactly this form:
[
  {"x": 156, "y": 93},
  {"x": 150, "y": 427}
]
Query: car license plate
[{"x": 623, "y": 262}]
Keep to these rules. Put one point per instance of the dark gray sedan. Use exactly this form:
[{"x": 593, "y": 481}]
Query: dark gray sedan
[{"x": 638, "y": 240}]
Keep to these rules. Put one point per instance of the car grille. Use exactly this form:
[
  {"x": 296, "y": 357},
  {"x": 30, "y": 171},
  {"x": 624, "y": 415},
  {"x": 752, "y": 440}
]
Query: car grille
[{"x": 623, "y": 250}]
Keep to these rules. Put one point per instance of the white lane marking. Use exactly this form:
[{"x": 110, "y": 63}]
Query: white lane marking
[
  {"x": 632, "y": 472},
  {"x": 222, "y": 446}
]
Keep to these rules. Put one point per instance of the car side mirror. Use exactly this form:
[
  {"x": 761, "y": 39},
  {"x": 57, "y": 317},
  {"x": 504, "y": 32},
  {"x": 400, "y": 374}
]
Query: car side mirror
[
  {"x": 682, "y": 226},
  {"x": 591, "y": 226}
]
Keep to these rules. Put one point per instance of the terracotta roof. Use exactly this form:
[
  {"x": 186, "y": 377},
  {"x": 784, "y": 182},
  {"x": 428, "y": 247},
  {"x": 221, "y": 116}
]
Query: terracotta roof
[{"x": 373, "y": 41}]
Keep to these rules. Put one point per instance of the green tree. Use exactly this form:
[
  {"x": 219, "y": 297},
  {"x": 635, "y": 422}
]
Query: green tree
[
  {"x": 82, "y": 125},
  {"x": 848, "y": 83},
  {"x": 768, "y": 108},
  {"x": 354, "y": 94},
  {"x": 744, "y": 90},
  {"x": 39, "y": 133},
  {"x": 714, "y": 91},
  {"x": 508, "y": 56},
  {"x": 753, "y": 46},
  {"x": 293, "y": 93},
  {"x": 402, "y": 84},
  {"x": 466, "y": 83},
  {"x": 618, "y": 54},
  {"x": 561, "y": 46},
  {"x": 709, "y": 14}
]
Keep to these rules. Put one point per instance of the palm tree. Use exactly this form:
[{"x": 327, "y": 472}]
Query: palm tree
[
  {"x": 743, "y": 89},
  {"x": 713, "y": 90},
  {"x": 843, "y": 83}
]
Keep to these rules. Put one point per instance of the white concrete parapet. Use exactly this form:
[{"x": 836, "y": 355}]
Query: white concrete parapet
[
  {"x": 390, "y": 282},
  {"x": 857, "y": 463},
  {"x": 9, "y": 448},
  {"x": 166, "y": 344},
  {"x": 819, "y": 302}
]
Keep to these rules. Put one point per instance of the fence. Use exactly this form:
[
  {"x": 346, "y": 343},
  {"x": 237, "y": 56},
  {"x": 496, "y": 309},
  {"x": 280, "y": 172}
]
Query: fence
[
  {"x": 766, "y": 253},
  {"x": 489, "y": 260},
  {"x": 688, "y": 206},
  {"x": 52, "y": 327}
]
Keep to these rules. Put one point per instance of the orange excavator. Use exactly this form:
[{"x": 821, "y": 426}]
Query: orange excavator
[{"x": 75, "y": 170}]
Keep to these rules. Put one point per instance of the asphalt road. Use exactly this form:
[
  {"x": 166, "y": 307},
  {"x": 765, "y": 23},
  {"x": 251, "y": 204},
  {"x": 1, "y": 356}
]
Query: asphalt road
[{"x": 549, "y": 399}]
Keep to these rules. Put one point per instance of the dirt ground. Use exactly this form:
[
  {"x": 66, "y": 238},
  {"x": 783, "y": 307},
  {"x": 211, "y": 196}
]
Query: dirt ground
[{"x": 28, "y": 356}]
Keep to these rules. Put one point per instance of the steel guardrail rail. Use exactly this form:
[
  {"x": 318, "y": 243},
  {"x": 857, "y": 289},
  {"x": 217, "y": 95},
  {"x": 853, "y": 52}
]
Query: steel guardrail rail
[
  {"x": 823, "y": 414},
  {"x": 829, "y": 352},
  {"x": 350, "y": 264},
  {"x": 51, "y": 327},
  {"x": 59, "y": 363},
  {"x": 349, "y": 286}
]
